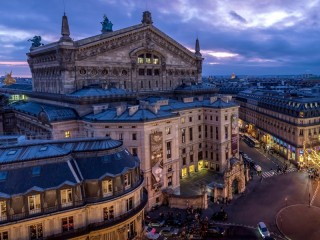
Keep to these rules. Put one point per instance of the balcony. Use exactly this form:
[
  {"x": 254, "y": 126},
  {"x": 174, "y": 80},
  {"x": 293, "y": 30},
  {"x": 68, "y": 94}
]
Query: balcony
[
  {"x": 104, "y": 224},
  {"x": 62, "y": 207}
]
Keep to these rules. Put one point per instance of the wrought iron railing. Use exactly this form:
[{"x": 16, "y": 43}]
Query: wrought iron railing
[
  {"x": 61, "y": 207},
  {"x": 104, "y": 224}
]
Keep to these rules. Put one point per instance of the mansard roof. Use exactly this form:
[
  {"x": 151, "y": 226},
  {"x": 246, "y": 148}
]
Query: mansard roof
[
  {"x": 156, "y": 108},
  {"x": 286, "y": 103},
  {"x": 95, "y": 91},
  {"x": 141, "y": 115},
  {"x": 109, "y": 165},
  {"x": 28, "y": 170},
  {"x": 22, "y": 180},
  {"x": 53, "y": 113},
  {"x": 22, "y": 153}
]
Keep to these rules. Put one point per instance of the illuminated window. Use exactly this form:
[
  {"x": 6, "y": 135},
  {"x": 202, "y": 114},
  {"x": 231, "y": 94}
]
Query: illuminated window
[
  {"x": 67, "y": 224},
  {"x": 107, "y": 187},
  {"x": 34, "y": 204},
  {"x": 3, "y": 211},
  {"x": 168, "y": 130},
  {"x": 148, "y": 58},
  {"x": 127, "y": 181},
  {"x": 155, "y": 60},
  {"x": 67, "y": 134},
  {"x": 183, "y": 120},
  {"x": 141, "y": 59},
  {"x": 36, "y": 231},
  {"x": 66, "y": 197},
  {"x": 108, "y": 213}
]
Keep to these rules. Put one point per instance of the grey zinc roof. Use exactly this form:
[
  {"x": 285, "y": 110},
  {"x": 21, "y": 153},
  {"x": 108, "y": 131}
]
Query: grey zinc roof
[
  {"x": 107, "y": 165},
  {"x": 92, "y": 92},
  {"x": 54, "y": 113},
  {"x": 23, "y": 153},
  {"x": 19, "y": 86},
  {"x": 139, "y": 115},
  {"x": 21, "y": 180}
]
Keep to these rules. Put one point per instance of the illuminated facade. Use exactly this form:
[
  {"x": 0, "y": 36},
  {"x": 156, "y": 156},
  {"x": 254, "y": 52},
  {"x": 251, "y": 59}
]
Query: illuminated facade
[
  {"x": 71, "y": 189},
  {"x": 283, "y": 122}
]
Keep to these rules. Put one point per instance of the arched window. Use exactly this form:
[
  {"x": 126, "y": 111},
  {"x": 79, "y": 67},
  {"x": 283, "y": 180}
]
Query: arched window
[{"x": 148, "y": 58}]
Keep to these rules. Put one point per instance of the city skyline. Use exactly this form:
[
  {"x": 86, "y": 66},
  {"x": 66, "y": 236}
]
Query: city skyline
[{"x": 249, "y": 39}]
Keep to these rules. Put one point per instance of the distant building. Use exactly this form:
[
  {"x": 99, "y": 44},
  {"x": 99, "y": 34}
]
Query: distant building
[{"x": 284, "y": 122}]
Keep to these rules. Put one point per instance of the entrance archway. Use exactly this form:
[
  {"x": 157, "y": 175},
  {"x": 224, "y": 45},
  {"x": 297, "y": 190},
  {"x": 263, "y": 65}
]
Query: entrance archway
[{"x": 235, "y": 187}]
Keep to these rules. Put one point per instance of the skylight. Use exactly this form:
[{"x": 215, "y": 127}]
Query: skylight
[
  {"x": 11, "y": 152},
  {"x": 43, "y": 148}
]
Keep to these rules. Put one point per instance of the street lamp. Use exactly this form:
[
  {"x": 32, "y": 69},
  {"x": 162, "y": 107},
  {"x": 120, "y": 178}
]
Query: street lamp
[{"x": 286, "y": 201}]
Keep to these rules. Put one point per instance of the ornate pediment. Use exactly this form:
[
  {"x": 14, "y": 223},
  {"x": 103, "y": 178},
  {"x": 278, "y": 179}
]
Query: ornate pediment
[{"x": 147, "y": 37}]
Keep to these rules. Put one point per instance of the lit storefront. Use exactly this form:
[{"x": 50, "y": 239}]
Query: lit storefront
[
  {"x": 200, "y": 165},
  {"x": 191, "y": 168},
  {"x": 184, "y": 172}
]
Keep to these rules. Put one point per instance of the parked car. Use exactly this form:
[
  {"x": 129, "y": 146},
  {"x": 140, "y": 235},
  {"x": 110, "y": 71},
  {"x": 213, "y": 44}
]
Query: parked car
[
  {"x": 169, "y": 232},
  {"x": 263, "y": 230},
  {"x": 219, "y": 216},
  {"x": 152, "y": 236},
  {"x": 156, "y": 223},
  {"x": 151, "y": 233},
  {"x": 215, "y": 232}
]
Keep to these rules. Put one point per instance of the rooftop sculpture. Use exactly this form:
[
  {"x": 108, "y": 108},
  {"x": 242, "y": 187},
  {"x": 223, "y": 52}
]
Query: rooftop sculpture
[
  {"x": 36, "y": 41},
  {"x": 106, "y": 25}
]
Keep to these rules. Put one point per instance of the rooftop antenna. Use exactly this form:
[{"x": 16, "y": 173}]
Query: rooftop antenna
[{"x": 146, "y": 4}]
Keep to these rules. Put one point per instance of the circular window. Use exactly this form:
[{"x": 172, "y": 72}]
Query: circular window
[
  {"x": 83, "y": 71},
  {"x": 104, "y": 72},
  {"x": 124, "y": 73}
]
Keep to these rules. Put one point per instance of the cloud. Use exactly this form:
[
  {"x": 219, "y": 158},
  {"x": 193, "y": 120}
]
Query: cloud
[
  {"x": 237, "y": 17},
  {"x": 9, "y": 63}
]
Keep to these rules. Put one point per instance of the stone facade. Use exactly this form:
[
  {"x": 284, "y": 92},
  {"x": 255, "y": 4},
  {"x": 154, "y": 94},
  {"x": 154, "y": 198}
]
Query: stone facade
[{"x": 139, "y": 58}]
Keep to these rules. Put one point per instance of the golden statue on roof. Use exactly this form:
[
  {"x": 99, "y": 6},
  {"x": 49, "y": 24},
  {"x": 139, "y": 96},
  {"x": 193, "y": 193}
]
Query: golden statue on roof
[{"x": 9, "y": 79}]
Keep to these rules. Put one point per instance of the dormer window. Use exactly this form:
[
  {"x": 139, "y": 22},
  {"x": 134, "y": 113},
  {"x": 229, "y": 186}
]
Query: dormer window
[
  {"x": 3, "y": 210},
  {"x": 127, "y": 181},
  {"x": 66, "y": 197},
  {"x": 34, "y": 204},
  {"x": 107, "y": 188}
]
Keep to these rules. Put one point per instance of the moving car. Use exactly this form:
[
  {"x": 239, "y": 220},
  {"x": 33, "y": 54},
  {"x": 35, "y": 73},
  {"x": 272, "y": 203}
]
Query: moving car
[
  {"x": 215, "y": 231},
  {"x": 263, "y": 230}
]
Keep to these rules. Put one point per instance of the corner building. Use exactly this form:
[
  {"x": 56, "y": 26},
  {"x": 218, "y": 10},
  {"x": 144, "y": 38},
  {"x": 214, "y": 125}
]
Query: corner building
[{"x": 71, "y": 189}]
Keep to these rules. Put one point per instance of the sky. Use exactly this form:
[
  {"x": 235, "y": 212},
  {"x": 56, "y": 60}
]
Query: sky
[{"x": 247, "y": 37}]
